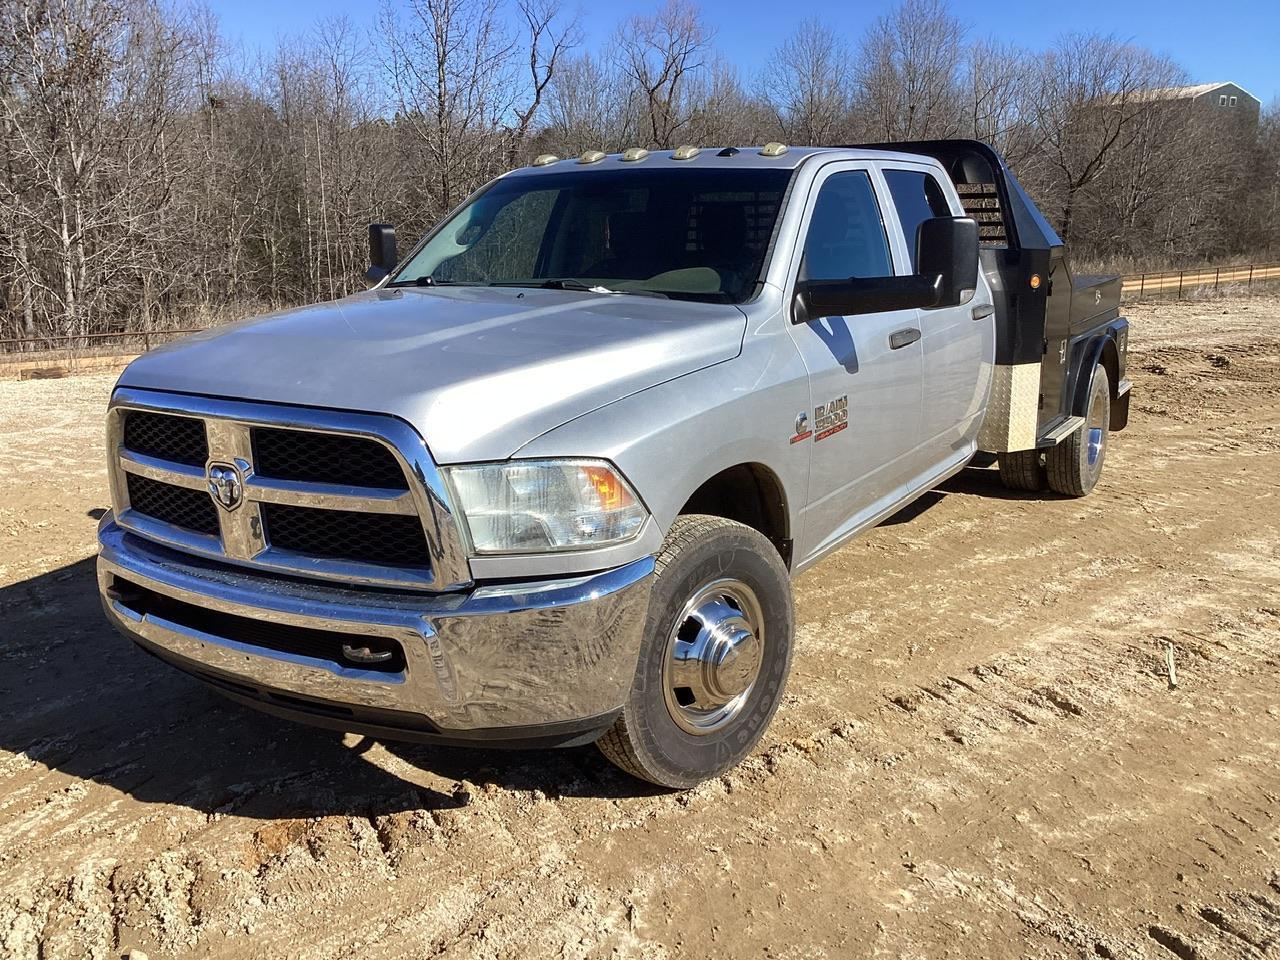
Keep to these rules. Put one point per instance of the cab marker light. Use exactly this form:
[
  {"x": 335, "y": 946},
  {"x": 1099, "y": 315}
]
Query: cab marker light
[
  {"x": 685, "y": 152},
  {"x": 542, "y": 159},
  {"x": 634, "y": 153},
  {"x": 592, "y": 156},
  {"x": 1035, "y": 281},
  {"x": 773, "y": 149}
]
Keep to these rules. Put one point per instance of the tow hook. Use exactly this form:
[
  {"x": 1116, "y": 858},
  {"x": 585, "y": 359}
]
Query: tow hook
[{"x": 365, "y": 654}]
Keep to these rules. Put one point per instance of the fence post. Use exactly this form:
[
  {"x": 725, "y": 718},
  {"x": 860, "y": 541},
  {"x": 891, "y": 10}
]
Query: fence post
[
  {"x": 1142, "y": 285},
  {"x": 1217, "y": 272},
  {"x": 1250, "y": 284},
  {"x": 146, "y": 341},
  {"x": 1180, "y": 273}
]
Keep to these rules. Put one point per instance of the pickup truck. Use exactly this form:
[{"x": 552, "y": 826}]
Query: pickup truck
[{"x": 547, "y": 482}]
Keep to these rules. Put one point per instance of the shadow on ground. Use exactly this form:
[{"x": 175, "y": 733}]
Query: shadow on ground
[
  {"x": 975, "y": 481},
  {"x": 79, "y": 698}
]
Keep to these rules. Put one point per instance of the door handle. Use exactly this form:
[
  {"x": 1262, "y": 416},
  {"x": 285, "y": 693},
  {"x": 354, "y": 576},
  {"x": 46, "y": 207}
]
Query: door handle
[
  {"x": 903, "y": 338},
  {"x": 982, "y": 312}
]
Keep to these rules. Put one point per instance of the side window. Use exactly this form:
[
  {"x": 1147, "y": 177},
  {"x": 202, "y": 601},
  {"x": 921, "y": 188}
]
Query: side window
[
  {"x": 918, "y": 198},
  {"x": 846, "y": 232}
]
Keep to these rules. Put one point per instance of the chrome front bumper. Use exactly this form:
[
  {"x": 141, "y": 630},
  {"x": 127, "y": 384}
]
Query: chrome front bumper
[{"x": 524, "y": 662}]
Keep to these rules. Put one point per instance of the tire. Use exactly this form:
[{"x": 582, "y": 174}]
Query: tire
[
  {"x": 674, "y": 734},
  {"x": 1075, "y": 464},
  {"x": 1023, "y": 470}
]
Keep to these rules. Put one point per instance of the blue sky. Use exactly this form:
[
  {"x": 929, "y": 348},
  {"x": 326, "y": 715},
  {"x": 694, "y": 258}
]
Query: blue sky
[{"x": 1237, "y": 41}]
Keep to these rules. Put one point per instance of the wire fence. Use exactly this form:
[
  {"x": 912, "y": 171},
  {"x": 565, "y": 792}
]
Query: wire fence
[
  {"x": 124, "y": 341},
  {"x": 29, "y": 358},
  {"x": 1182, "y": 283}
]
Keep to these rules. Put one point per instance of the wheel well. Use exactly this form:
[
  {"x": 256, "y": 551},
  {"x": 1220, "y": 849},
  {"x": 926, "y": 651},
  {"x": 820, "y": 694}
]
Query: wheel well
[
  {"x": 751, "y": 494},
  {"x": 1111, "y": 363}
]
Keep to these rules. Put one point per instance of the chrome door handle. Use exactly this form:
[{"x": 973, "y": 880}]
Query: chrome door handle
[
  {"x": 903, "y": 338},
  {"x": 982, "y": 312}
]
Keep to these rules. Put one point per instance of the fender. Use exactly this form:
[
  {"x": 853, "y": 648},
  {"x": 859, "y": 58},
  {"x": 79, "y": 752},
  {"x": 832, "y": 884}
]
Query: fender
[{"x": 1108, "y": 346}]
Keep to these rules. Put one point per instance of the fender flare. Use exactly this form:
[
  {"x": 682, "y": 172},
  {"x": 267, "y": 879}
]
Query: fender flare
[{"x": 1093, "y": 351}]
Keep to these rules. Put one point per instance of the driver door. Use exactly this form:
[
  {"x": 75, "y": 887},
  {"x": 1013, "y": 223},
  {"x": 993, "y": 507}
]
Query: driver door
[{"x": 865, "y": 371}]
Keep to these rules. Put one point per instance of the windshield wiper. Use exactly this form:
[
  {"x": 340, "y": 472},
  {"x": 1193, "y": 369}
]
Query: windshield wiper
[
  {"x": 573, "y": 283},
  {"x": 430, "y": 281}
]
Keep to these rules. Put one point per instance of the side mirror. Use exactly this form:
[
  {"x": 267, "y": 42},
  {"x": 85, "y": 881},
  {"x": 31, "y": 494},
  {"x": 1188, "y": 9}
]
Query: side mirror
[
  {"x": 948, "y": 274},
  {"x": 947, "y": 248},
  {"x": 843, "y": 298},
  {"x": 382, "y": 251}
]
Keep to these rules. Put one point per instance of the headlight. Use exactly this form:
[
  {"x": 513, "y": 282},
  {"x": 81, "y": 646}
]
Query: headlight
[{"x": 533, "y": 506}]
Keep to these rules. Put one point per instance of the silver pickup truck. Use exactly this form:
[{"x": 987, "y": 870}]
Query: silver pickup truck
[{"x": 548, "y": 480}]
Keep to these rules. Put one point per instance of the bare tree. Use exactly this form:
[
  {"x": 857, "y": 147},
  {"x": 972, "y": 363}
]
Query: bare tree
[
  {"x": 87, "y": 102},
  {"x": 550, "y": 39},
  {"x": 809, "y": 84},
  {"x": 722, "y": 112},
  {"x": 150, "y": 170},
  {"x": 588, "y": 107},
  {"x": 993, "y": 97},
  {"x": 451, "y": 68},
  {"x": 907, "y": 72},
  {"x": 661, "y": 54},
  {"x": 1089, "y": 101}
]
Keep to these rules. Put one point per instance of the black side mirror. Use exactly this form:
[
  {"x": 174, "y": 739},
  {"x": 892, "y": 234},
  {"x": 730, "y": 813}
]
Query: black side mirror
[
  {"x": 947, "y": 248},
  {"x": 382, "y": 251},
  {"x": 844, "y": 298},
  {"x": 947, "y": 275}
]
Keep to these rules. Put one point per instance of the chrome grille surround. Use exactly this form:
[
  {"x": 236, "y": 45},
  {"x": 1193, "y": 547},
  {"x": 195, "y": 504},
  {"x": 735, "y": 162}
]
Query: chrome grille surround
[{"x": 242, "y": 539}]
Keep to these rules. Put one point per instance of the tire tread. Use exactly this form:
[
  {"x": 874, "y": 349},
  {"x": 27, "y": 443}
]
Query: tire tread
[
  {"x": 1063, "y": 463},
  {"x": 618, "y": 743},
  {"x": 1021, "y": 470}
]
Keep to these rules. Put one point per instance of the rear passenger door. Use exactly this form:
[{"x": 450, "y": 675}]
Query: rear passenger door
[
  {"x": 958, "y": 342},
  {"x": 862, "y": 428}
]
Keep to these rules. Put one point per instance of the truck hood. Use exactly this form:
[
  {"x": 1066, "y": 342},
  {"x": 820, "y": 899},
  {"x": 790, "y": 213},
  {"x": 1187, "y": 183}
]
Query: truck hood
[{"x": 479, "y": 371}]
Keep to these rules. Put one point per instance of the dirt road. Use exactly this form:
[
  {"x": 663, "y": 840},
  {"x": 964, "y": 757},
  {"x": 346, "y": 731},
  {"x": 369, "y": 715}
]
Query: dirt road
[{"x": 980, "y": 754}]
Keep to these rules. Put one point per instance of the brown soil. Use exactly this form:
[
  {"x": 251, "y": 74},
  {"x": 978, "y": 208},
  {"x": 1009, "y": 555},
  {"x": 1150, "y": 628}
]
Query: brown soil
[{"x": 980, "y": 754}]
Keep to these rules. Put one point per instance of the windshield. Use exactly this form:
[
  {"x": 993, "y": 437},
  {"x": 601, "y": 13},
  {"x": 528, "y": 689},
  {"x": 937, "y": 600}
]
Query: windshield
[{"x": 694, "y": 234}]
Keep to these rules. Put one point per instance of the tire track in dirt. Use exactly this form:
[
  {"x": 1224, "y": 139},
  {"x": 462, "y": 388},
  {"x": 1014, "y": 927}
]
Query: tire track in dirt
[{"x": 979, "y": 753}]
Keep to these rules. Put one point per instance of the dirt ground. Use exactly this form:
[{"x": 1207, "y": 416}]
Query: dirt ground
[{"x": 980, "y": 754}]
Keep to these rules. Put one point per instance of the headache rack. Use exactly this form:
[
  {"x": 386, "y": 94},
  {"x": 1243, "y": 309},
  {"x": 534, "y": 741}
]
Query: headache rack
[
  {"x": 1040, "y": 310},
  {"x": 317, "y": 494}
]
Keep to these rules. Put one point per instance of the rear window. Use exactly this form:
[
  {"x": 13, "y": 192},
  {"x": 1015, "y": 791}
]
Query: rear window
[{"x": 917, "y": 197}]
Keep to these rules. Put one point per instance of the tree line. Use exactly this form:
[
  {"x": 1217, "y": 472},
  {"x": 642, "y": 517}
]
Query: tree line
[{"x": 152, "y": 173}]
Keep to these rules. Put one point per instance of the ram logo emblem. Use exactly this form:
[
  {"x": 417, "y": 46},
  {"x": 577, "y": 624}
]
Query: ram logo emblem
[{"x": 225, "y": 485}]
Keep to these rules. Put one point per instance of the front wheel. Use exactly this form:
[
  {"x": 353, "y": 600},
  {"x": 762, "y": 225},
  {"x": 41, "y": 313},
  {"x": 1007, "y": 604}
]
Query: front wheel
[
  {"x": 715, "y": 655},
  {"x": 1075, "y": 464}
]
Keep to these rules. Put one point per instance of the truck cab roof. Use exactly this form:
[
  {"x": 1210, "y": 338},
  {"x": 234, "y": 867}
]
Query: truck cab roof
[{"x": 724, "y": 157}]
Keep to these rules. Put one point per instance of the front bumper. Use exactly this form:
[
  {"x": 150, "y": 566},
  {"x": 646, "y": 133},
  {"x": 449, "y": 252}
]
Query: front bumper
[{"x": 530, "y": 663}]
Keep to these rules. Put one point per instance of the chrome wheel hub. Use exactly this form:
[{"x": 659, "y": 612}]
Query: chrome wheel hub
[
  {"x": 713, "y": 656},
  {"x": 1095, "y": 427}
]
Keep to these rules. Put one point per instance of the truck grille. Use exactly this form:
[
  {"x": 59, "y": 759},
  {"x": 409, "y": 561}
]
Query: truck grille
[
  {"x": 344, "y": 535},
  {"x": 307, "y": 501},
  {"x": 166, "y": 437},
  {"x": 190, "y": 509},
  {"x": 325, "y": 458}
]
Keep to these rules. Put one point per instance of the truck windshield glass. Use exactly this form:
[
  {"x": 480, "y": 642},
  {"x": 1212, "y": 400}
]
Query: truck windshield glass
[{"x": 693, "y": 234}]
